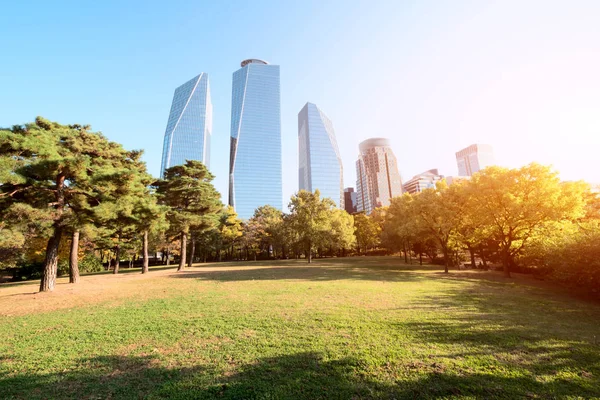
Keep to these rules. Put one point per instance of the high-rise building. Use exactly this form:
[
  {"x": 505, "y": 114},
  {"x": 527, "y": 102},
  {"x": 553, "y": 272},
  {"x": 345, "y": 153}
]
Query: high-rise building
[
  {"x": 474, "y": 158},
  {"x": 189, "y": 127},
  {"x": 422, "y": 181},
  {"x": 377, "y": 176},
  {"x": 319, "y": 156},
  {"x": 350, "y": 200},
  {"x": 255, "y": 152}
]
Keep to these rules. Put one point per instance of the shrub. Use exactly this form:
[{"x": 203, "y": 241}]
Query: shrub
[{"x": 90, "y": 263}]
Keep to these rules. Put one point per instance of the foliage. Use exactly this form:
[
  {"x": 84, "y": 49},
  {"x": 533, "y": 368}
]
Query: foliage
[
  {"x": 90, "y": 263},
  {"x": 317, "y": 223},
  {"x": 190, "y": 198},
  {"x": 61, "y": 171},
  {"x": 367, "y": 232}
]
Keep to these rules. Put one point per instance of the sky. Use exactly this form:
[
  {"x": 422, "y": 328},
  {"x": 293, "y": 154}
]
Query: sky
[{"x": 432, "y": 76}]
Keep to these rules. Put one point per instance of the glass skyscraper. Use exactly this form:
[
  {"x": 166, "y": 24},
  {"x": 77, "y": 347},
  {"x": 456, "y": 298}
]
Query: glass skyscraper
[
  {"x": 377, "y": 176},
  {"x": 320, "y": 161},
  {"x": 189, "y": 127},
  {"x": 255, "y": 152},
  {"x": 474, "y": 158}
]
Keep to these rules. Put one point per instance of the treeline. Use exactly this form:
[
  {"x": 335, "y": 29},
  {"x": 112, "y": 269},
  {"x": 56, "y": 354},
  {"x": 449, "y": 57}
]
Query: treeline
[
  {"x": 525, "y": 220},
  {"x": 67, "y": 193},
  {"x": 71, "y": 201}
]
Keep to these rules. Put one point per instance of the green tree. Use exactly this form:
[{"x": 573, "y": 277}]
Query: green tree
[
  {"x": 310, "y": 219},
  {"x": 438, "y": 213},
  {"x": 58, "y": 169},
  {"x": 515, "y": 203},
  {"x": 367, "y": 232},
  {"x": 191, "y": 199},
  {"x": 268, "y": 223},
  {"x": 342, "y": 231}
]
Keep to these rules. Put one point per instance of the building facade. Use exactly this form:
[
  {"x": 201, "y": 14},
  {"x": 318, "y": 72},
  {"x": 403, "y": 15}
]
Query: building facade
[
  {"x": 320, "y": 164},
  {"x": 189, "y": 127},
  {"x": 255, "y": 150},
  {"x": 474, "y": 158},
  {"x": 350, "y": 200},
  {"x": 377, "y": 176},
  {"x": 422, "y": 181}
]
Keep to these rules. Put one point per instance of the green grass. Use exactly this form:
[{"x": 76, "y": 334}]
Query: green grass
[{"x": 343, "y": 329}]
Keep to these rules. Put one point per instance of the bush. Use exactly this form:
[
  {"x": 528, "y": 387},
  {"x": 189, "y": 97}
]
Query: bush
[
  {"x": 63, "y": 268},
  {"x": 25, "y": 272},
  {"x": 90, "y": 263}
]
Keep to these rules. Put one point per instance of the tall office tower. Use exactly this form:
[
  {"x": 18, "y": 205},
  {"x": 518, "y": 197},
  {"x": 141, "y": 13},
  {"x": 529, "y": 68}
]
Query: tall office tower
[
  {"x": 474, "y": 158},
  {"x": 320, "y": 161},
  {"x": 377, "y": 176},
  {"x": 255, "y": 153},
  {"x": 350, "y": 200},
  {"x": 422, "y": 181},
  {"x": 189, "y": 127}
]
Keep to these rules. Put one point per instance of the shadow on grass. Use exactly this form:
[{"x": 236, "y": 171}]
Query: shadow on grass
[
  {"x": 298, "y": 376},
  {"x": 320, "y": 273},
  {"x": 353, "y": 268}
]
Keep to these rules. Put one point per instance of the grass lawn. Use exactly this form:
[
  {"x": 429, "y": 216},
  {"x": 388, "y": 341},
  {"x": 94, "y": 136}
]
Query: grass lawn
[{"x": 344, "y": 328}]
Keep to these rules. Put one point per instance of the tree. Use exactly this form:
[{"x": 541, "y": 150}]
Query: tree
[
  {"x": 401, "y": 228},
  {"x": 310, "y": 218},
  {"x": 191, "y": 199},
  {"x": 367, "y": 232},
  {"x": 438, "y": 213},
  {"x": 342, "y": 231},
  {"x": 267, "y": 222},
  {"x": 57, "y": 169},
  {"x": 516, "y": 203},
  {"x": 230, "y": 230}
]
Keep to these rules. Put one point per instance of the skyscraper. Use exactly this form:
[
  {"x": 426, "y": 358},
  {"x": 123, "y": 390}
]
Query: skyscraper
[
  {"x": 319, "y": 156},
  {"x": 474, "y": 158},
  {"x": 350, "y": 200},
  {"x": 377, "y": 176},
  {"x": 189, "y": 127},
  {"x": 255, "y": 152},
  {"x": 425, "y": 180}
]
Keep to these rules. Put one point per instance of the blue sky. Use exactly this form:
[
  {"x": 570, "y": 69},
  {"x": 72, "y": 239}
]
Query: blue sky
[{"x": 433, "y": 76}]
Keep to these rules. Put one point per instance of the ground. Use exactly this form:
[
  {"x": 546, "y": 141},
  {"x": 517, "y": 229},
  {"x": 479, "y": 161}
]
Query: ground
[{"x": 352, "y": 328}]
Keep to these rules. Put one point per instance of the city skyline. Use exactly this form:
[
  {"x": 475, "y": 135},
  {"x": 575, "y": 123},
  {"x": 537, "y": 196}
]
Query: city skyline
[
  {"x": 255, "y": 149},
  {"x": 531, "y": 94},
  {"x": 189, "y": 127},
  {"x": 320, "y": 165}
]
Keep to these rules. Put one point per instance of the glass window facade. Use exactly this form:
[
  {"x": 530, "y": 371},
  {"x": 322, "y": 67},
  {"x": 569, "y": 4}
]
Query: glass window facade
[
  {"x": 320, "y": 164},
  {"x": 377, "y": 176},
  {"x": 189, "y": 127},
  {"x": 255, "y": 152},
  {"x": 474, "y": 158}
]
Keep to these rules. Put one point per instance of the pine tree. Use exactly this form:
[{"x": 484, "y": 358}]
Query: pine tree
[
  {"x": 191, "y": 200},
  {"x": 59, "y": 170}
]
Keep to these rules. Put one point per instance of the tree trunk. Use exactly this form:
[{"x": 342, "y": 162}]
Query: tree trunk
[
  {"x": 405, "y": 255},
  {"x": 506, "y": 263},
  {"x": 446, "y": 260},
  {"x": 192, "y": 250},
  {"x": 51, "y": 263},
  {"x": 145, "y": 252},
  {"x": 420, "y": 258},
  {"x": 74, "y": 259},
  {"x": 48, "y": 281},
  {"x": 472, "y": 253},
  {"x": 182, "y": 250},
  {"x": 309, "y": 254},
  {"x": 483, "y": 258},
  {"x": 117, "y": 258}
]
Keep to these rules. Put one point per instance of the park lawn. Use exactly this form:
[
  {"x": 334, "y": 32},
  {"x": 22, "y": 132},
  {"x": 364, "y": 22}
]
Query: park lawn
[{"x": 350, "y": 328}]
